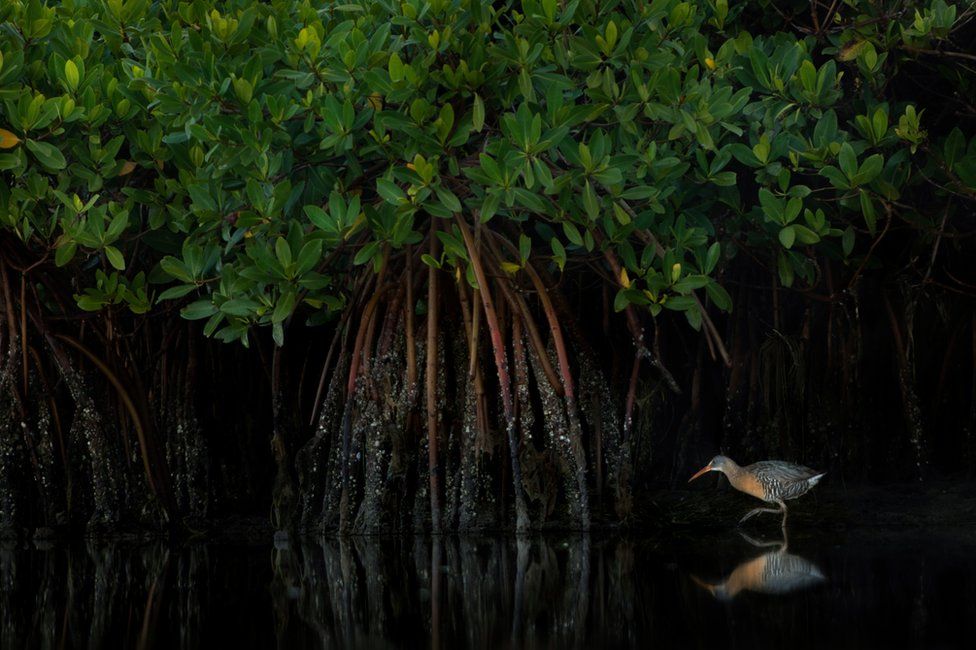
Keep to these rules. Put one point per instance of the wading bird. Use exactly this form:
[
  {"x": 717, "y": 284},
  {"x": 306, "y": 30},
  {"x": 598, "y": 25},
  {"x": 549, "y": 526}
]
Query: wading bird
[
  {"x": 773, "y": 481},
  {"x": 776, "y": 573}
]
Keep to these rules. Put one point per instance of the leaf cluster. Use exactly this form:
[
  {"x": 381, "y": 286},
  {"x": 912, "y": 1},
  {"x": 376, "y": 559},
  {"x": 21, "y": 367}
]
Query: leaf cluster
[{"x": 243, "y": 159}]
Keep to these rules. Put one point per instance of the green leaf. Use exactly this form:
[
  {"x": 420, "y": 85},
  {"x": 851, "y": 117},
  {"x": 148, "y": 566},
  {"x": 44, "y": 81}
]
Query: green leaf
[
  {"x": 724, "y": 179},
  {"x": 241, "y": 307},
  {"x": 452, "y": 244},
  {"x": 611, "y": 36},
  {"x": 804, "y": 235},
  {"x": 847, "y": 241},
  {"x": 793, "y": 208},
  {"x": 590, "y": 202},
  {"x": 711, "y": 261},
  {"x": 760, "y": 66},
  {"x": 847, "y": 160},
  {"x": 118, "y": 224},
  {"x": 955, "y": 146},
  {"x": 201, "y": 198},
  {"x": 175, "y": 268},
  {"x": 366, "y": 253},
  {"x": 851, "y": 49},
  {"x": 745, "y": 155},
  {"x": 309, "y": 256},
  {"x": 199, "y": 309},
  {"x": 689, "y": 283},
  {"x": 879, "y": 123},
  {"x": 621, "y": 300},
  {"x": 704, "y": 137},
  {"x": 680, "y": 303},
  {"x": 283, "y": 252},
  {"x": 489, "y": 207},
  {"x": 867, "y": 209},
  {"x": 808, "y": 75},
  {"x": 558, "y": 252},
  {"x": 478, "y": 113},
  {"x": 115, "y": 258},
  {"x": 836, "y": 177},
  {"x": 525, "y": 248},
  {"x": 869, "y": 170},
  {"x": 785, "y": 268},
  {"x": 286, "y": 303},
  {"x": 771, "y": 204},
  {"x": 89, "y": 303},
  {"x": 448, "y": 199},
  {"x": 178, "y": 291},
  {"x": 389, "y": 191},
  {"x": 211, "y": 325},
  {"x": 572, "y": 233},
  {"x": 47, "y": 154},
  {"x": 319, "y": 217},
  {"x": 71, "y": 74},
  {"x": 621, "y": 214},
  {"x": 64, "y": 253},
  {"x": 530, "y": 200},
  {"x": 395, "y": 68},
  {"x": 787, "y": 236},
  {"x": 11, "y": 160},
  {"x": 719, "y": 296}
]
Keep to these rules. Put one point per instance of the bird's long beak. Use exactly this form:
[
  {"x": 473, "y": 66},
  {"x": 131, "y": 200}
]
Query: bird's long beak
[
  {"x": 704, "y": 585},
  {"x": 706, "y": 468}
]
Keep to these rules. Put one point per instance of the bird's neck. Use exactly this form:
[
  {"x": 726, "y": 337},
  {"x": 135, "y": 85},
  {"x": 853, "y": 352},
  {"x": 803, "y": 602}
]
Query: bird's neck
[{"x": 731, "y": 469}]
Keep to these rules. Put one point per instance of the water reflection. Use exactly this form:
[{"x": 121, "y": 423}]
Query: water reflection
[
  {"x": 775, "y": 572},
  {"x": 490, "y": 592},
  {"x": 476, "y": 592}
]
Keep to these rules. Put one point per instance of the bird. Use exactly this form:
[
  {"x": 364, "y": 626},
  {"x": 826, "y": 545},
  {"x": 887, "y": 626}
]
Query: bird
[
  {"x": 773, "y": 481},
  {"x": 776, "y": 573}
]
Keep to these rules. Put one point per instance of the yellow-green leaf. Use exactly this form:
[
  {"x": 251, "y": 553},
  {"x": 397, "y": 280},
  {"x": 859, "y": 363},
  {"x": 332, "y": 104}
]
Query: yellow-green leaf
[
  {"x": 71, "y": 74},
  {"x": 611, "y": 36},
  {"x": 115, "y": 258},
  {"x": 395, "y": 68},
  {"x": 850, "y": 51},
  {"x": 510, "y": 267}
]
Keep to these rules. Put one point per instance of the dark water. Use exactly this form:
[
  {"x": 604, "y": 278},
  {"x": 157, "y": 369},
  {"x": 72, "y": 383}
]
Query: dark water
[{"x": 856, "y": 590}]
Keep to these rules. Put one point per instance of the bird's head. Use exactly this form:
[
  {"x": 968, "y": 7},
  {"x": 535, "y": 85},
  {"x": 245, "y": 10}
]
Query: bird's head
[
  {"x": 717, "y": 464},
  {"x": 720, "y": 591}
]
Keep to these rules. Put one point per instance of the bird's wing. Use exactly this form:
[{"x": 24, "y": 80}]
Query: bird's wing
[
  {"x": 781, "y": 471},
  {"x": 785, "y": 572}
]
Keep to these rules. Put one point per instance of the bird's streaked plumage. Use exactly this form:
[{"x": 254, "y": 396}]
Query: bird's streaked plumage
[
  {"x": 777, "y": 573},
  {"x": 773, "y": 481}
]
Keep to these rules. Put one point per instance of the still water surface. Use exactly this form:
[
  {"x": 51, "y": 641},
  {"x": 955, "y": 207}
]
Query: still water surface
[{"x": 854, "y": 590}]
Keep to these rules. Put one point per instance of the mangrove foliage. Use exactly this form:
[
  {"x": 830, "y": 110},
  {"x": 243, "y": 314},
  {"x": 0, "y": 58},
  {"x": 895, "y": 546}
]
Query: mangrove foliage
[{"x": 449, "y": 264}]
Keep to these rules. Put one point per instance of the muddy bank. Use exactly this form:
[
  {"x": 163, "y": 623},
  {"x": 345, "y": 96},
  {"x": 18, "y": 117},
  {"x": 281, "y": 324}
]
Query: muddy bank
[
  {"x": 941, "y": 504},
  {"x": 708, "y": 510}
]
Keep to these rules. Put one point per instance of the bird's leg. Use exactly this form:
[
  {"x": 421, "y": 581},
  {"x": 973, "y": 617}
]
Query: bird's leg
[
  {"x": 782, "y": 505},
  {"x": 761, "y": 543},
  {"x": 756, "y": 511}
]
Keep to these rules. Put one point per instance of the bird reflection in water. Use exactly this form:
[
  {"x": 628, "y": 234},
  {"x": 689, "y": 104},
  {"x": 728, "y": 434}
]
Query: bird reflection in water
[{"x": 776, "y": 572}]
